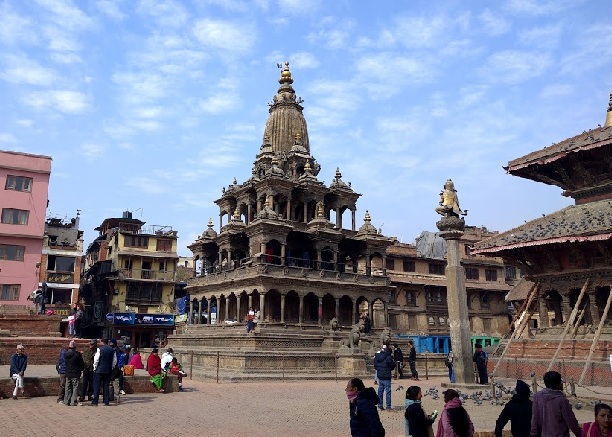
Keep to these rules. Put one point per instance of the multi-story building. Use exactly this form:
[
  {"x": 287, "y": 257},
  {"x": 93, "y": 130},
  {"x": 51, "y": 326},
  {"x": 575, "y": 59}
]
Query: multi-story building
[
  {"x": 60, "y": 268},
  {"x": 25, "y": 178},
  {"x": 129, "y": 280},
  {"x": 418, "y": 271}
]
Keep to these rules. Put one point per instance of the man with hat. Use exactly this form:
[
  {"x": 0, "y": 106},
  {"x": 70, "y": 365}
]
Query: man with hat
[
  {"x": 74, "y": 367},
  {"x": 88, "y": 359},
  {"x": 166, "y": 358},
  {"x": 19, "y": 363},
  {"x": 104, "y": 361}
]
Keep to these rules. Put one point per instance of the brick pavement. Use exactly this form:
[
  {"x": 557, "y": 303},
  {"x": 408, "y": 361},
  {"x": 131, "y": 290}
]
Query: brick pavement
[{"x": 311, "y": 408}]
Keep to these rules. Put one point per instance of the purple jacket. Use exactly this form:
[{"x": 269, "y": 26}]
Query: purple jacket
[{"x": 552, "y": 415}]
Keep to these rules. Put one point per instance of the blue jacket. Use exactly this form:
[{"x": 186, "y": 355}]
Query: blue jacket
[
  {"x": 384, "y": 363},
  {"x": 19, "y": 363},
  {"x": 364, "y": 416},
  {"x": 61, "y": 362}
]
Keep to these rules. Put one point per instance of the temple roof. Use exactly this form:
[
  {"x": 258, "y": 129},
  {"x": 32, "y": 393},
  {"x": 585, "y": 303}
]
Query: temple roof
[
  {"x": 576, "y": 223},
  {"x": 520, "y": 291}
]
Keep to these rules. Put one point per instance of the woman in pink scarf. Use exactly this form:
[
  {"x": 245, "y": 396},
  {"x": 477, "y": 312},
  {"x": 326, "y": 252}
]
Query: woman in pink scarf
[
  {"x": 602, "y": 427},
  {"x": 454, "y": 420}
]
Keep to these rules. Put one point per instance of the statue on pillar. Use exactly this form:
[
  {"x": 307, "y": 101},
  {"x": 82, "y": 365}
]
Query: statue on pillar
[{"x": 449, "y": 201}]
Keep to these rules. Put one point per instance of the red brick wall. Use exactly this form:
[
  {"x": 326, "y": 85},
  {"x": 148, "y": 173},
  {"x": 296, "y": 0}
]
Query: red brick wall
[
  {"x": 31, "y": 325},
  {"x": 38, "y": 350}
]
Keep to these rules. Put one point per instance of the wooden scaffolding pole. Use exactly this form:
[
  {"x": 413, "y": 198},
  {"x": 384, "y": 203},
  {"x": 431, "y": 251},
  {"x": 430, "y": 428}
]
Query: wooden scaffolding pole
[
  {"x": 596, "y": 338},
  {"x": 519, "y": 329},
  {"x": 570, "y": 323}
]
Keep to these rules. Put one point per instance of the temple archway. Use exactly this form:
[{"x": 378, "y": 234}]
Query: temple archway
[
  {"x": 329, "y": 308},
  {"x": 345, "y": 312},
  {"x": 311, "y": 308},
  {"x": 292, "y": 307},
  {"x": 272, "y": 305}
]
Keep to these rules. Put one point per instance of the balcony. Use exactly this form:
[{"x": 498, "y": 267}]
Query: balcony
[
  {"x": 147, "y": 275},
  {"x": 60, "y": 278}
]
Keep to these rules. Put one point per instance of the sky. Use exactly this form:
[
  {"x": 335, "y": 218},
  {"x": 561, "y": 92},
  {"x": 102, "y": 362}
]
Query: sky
[{"x": 153, "y": 106}]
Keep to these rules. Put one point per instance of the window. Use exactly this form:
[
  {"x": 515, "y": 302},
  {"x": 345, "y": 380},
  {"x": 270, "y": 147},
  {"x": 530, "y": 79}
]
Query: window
[
  {"x": 429, "y": 296},
  {"x": 390, "y": 264},
  {"x": 431, "y": 321},
  {"x": 408, "y": 265},
  {"x": 510, "y": 272},
  {"x": 484, "y": 301},
  {"x": 136, "y": 241},
  {"x": 15, "y": 216},
  {"x": 471, "y": 273},
  {"x": 60, "y": 263},
  {"x": 436, "y": 268},
  {"x": 18, "y": 183},
  {"x": 486, "y": 326},
  {"x": 491, "y": 274},
  {"x": 11, "y": 253},
  {"x": 442, "y": 321},
  {"x": 165, "y": 245},
  {"x": 10, "y": 292},
  {"x": 410, "y": 298}
]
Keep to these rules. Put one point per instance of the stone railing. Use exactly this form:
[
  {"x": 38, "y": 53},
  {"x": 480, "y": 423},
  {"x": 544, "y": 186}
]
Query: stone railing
[{"x": 154, "y": 275}]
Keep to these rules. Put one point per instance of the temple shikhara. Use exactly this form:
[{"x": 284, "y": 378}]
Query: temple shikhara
[{"x": 566, "y": 322}]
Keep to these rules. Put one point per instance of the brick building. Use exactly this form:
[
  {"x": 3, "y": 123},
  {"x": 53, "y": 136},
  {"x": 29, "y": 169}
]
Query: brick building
[{"x": 24, "y": 179}]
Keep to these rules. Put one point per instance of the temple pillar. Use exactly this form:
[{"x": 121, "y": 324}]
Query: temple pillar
[
  {"x": 543, "y": 310},
  {"x": 320, "y": 310},
  {"x": 337, "y": 314},
  {"x": 249, "y": 212},
  {"x": 353, "y": 222},
  {"x": 189, "y": 314},
  {"x": 208, "y": 321},
  {"x": 199, "y": 321},
  {"x": 283, "y": 246},
  {"x": 238, "y": 319},
  {"x": 220, "y": 222},
  {"x": 384, "y": 264},
  {"x": 338, "y": 219},
  {"x": 289, "y": 215},
  {"x": 301, "y": 315},
  {"x": 226, "y": 312},
  {"x": 368, "y": 265},
  {"x": 250, "y": 301},
  {"x": 305, "y": 212},
  {"x": 230, "y": 262},
  {"x": 262, "y": 301},
  {"x": 318, "y": 264},
  {"x": 566, "y": 309},
  {"x": 335, "y": 254},
  {"x": 283, "y": 308}
]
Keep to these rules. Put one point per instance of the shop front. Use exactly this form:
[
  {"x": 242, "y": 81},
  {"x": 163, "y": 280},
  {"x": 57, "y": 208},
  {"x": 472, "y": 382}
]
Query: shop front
[{"x": 141, "y": 330}]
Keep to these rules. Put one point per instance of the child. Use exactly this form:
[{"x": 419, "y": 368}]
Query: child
[{"x": 177, "y": 369}]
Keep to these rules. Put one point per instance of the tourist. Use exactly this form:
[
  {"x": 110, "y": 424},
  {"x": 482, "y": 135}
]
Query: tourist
[
  {"x": 552, "y": 413},
  {"x": 104, "y": 361},
  {"x": 166, "y": 359},
  {"x": 117, "y": 373},
  {"x": 416, "y": 423},
  {"x": 88, "y": 359},
  {"x": 39, "y": 300},
  {"x": 71, "y": 322},
  {"x": 136, "y": 360},
  {"x": 481, "y": 359},
  {"x": 78, "y": 321},
  {"x": 384, "y": 364},
  {"x": 155, "y": 370},
  {"x": 362, "y": 410},
  {"x": 454, "y": 420},
  {"x": 177, "y": 369},
  {"x": 602, "y": 426},
  {"x": 19, "y": 364},
  {"x": 61, "y": 370},
  {"x": 398, "y": 357},
  {"x": 74, "y": 367},
  {"x": 450, "y": 363},
  {"x": 412, "y": 361},
  {"x": 517, "y": 411},
  {"x": 250, "y": 316}
]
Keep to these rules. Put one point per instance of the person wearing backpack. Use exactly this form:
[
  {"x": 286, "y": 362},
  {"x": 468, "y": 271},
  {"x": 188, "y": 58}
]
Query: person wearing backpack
[
  {"x": 481, "y": 359},
  {"x": 449, "y": 361},
  {"x": 365, "y": 421}
]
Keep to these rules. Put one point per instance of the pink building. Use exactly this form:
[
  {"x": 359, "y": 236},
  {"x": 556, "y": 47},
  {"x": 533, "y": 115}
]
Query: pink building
[{"x": 24, "y": 186}]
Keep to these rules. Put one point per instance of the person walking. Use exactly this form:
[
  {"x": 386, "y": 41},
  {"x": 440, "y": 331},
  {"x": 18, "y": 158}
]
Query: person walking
[
  {"x": 412, "y": 361},
  {"x": 450, "y": 363},
  {"x": 517, "y": 411},
  {"x": 552, "y": 413},
  {"x": 384, "y": 364},
  {"x": 481, "y": 359},
  {"x": 78, "y": 321},
  {"x": 19, "y": 364},
  {"x": 61, "y": 370},
  {"x": 74, "y": 367},
  {"x": 88, "y": 359},
  {"x": 398, "y": 357},
  {"x": 104, "y": 361},
  {"x": 602, "y": 426},
  {"x": 416, "y": 423},
  {"x": 364, "y": 419},
  {"x": 454, "y": 420},
  {"x": 117, "y": 373}
]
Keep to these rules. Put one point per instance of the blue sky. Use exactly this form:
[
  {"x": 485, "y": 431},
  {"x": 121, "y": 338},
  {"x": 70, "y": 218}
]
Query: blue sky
[{"x": 153, "y": 106}]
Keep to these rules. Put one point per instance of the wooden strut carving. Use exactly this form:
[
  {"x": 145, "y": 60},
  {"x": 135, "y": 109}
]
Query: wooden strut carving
[
  {"x": 596, "y": 339},
  {"x": 569, "y": 324}
]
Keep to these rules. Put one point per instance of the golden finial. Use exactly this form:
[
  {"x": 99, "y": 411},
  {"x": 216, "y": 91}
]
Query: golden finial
[
  {"x": 609, "y": 113},
  {"x": 235, "y": 181},
  {"x": 237, "y": 214},
  {"x": 210, "y": 223},
  {"x": 285, "y": 74},
  {"x": 338, "y": 174},
  {"x": 307, "y": 166},
  {"x": 320, "y": 210},
  {"x": 367, "y": 217}
]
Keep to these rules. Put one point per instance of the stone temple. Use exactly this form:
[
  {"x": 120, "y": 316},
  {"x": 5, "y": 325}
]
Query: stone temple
[{"x": 289, "y": 248}]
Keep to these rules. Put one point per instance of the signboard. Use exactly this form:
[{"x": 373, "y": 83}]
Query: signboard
[
  {"x": 180, "y": 319},
  {"x": 60, "y": 278},
  {"x": 154, "y": 319},
  {"x": 124, "y": 318},
  {"x": 213, "y": 318}
]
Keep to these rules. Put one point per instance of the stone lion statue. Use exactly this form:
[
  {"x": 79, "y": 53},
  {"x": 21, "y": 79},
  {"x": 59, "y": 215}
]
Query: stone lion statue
[
  {"x": 333, "y": 324},
  {"x": 353, "y": 338}
]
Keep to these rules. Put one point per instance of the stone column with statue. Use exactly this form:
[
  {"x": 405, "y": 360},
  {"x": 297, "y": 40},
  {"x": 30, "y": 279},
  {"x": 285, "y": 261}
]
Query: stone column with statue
[{"x": 451, "y": 227}]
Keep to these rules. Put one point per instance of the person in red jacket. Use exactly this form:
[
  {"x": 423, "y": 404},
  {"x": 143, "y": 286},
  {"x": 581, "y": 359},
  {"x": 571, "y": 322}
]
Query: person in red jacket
[{"x": 154, "y": 368}]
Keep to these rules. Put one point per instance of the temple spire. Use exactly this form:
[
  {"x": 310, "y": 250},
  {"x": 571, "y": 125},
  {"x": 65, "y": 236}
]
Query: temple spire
[{"x": 609, "y": 114}]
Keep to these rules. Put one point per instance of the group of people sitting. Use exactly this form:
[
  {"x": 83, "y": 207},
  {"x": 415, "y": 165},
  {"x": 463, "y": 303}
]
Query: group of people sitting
[{"x": 158, "y": 367}]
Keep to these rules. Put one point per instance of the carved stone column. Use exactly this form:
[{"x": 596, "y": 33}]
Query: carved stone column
[
  {"x": 353, "y": 222},
  {"x": 226, "y": 312},
  {"x": 384, "y": 264},
  {"x": 199, "y": 321},
  {"x": 543, "y": 309},
  {"x": 318, "y": 263},
  {"x": 368, "y": 265},
  {"x": 320, "y": 310},
  {"x": 338, "y": 219},
  {"x": 262, "y": 301},
  {"x": 283, "y": 307},
  {"x": 250, "y": 300},
  {"x": 189, "y": 313},
  {"x": 208, "y": 321},
  {"x": 283, "y": 248},
  {"x": 289, "y": 212},
  {"x": 593, "y": 307},
  {"x": 335, "y": 253},
  {"x": 337, "y": 308},
  {"x": 565, "y": 306},
  {"x": 220, "y": 222},
  {"x": 305, "y": 212},
  {"x": 249, "y": 212},
  {"x": 301, "y": 315},
  {"x": 238, "y": 308}
]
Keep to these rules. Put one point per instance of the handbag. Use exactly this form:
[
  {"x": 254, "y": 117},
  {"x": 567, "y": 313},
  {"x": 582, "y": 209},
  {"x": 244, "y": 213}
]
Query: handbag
[{"x": 128, "y": 370}]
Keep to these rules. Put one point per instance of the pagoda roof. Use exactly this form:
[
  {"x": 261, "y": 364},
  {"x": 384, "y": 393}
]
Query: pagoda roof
[{"x": 576, "y": 223}]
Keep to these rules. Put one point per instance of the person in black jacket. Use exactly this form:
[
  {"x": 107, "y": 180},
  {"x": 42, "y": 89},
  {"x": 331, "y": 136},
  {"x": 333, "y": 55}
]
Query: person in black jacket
[
  {"x": 412, "y": 361},
  {"x": 415, "y": 417},
  {"x": 518, "y": 412},
  {"x": 384, "y": 364},
  {"x": 362, "y": 410},
  {"x": 74, "y": 367},
  {"x": 398, "y": 357}
]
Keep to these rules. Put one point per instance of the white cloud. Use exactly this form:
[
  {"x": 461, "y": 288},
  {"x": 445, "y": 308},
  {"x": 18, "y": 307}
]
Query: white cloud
[
  {"x": 333, "y": 34},
  {"x": 148, "y": 185},
  {"x": 65, "y": 58},
  {"x": 91, "y": 151},
  {"x": 23, "y": 70},
  {"x": 25, "y": 122},
  {"x": 494, "y": 24},
  {"x": 378, "y": 71},
  {"x": 218, "y": 103},
  {"x": 149, "y": 112},
  {"x": 141, "y": 86},
  {"x": 513, "y": 66},
  {"x": 556, "y": 90},
  {"x": 225, "y": 35},
  {"x": 542, "y": 37},
  {"x": 303, "y": 60},
  {"x": 66, "y": 15},
  {"x": 298, "y": 7},
  {"x": 61, "y": 40},
  {"x": 111, "y": 8},
  {"x": 7, "y": 139},
  {"x": 15, "y": 28},
  {"x": 63, "y": 101},
  {"x": 168, "y": 13},
  {"x": 541, "y": 7}
]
